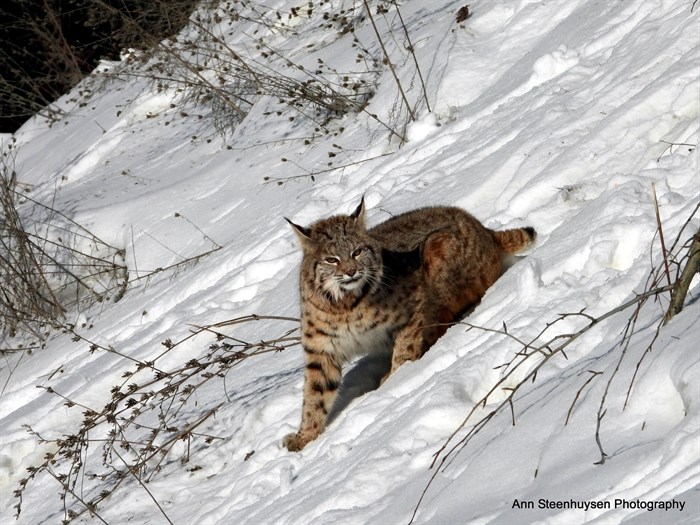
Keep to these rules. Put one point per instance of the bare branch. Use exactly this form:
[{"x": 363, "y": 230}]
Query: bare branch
[{"x": 680, "y": 289}]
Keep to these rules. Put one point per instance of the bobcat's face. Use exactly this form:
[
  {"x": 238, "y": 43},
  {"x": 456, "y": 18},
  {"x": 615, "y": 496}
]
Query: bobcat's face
[
  {"x": 346, "y": 266},
  {"x": 340, "y": 258}
]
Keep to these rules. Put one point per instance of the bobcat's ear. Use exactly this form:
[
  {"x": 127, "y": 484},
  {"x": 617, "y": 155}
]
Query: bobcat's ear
[
  {"x": 359, "y": 213},
  {"x": 303, "y": 234}
]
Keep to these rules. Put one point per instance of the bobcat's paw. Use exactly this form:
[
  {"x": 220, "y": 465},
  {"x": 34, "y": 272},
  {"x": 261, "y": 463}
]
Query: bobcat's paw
[{"x": 295, "y": 441}]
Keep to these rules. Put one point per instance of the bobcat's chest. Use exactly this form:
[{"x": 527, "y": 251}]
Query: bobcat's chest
[
  {"x": 351, "y": 340},
  {"x": 365, "y": 330}
]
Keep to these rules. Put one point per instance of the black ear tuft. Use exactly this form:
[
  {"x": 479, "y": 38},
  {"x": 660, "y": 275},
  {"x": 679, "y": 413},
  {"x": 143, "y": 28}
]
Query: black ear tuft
[
  {"x": 359, "y": 213},
  {"x": 304, "y": 234}
]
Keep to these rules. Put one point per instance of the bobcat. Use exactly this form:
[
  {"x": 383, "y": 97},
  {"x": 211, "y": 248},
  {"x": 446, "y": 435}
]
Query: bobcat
[{"x": 393, "y": 288}]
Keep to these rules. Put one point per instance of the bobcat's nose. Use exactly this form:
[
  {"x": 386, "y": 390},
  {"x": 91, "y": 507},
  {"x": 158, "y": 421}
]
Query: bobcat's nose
[{"x": 350, "y": 272}]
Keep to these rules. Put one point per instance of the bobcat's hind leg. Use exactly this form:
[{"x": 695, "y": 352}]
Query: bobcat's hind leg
[{"x": 408, "y": 345}]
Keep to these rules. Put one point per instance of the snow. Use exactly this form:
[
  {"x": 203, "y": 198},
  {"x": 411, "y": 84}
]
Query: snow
[{"x": 553, "y": 114}]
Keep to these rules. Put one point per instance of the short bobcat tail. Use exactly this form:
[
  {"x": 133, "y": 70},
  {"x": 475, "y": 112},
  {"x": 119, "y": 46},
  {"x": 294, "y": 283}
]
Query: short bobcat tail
[{"x": 513, "y": 241}]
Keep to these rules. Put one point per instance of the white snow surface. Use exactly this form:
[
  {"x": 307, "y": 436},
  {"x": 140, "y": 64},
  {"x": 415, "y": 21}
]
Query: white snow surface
[{"x": 555, "y": 114}]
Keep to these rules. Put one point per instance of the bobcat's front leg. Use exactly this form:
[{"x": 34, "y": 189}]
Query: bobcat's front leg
[{"x": 321, "y": 381}]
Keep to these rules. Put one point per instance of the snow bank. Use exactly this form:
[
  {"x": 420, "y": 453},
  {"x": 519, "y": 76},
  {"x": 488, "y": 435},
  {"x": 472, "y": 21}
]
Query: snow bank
[{"x": 559, "y": 115}]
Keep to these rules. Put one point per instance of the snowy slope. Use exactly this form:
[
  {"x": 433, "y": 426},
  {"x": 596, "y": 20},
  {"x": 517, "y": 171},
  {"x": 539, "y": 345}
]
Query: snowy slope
[{"x": 556, "y": 114}]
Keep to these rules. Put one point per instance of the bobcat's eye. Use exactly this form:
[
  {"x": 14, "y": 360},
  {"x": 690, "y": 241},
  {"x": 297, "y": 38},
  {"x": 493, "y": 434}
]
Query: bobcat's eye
[
  {"x": 332, "y": 260},
  {"x": 357, "y": 252}
]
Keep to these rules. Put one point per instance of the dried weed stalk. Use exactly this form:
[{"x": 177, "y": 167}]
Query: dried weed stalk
[
  {"x": 49, "y": 264},
  {"x": 149, "y": 411},
  {"x": 203, "y": 68},
  {"x": 228, "y": 59}
]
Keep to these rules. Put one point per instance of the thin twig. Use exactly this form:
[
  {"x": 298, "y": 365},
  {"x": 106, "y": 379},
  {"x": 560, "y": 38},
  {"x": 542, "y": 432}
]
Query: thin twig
[
  {"x": 578, "y": 393},
  {"x": 412, "y": 50},
  {"x": 143, "y": 485},
  {"x": 661, "y": 233},
  {"x": 388, "y": 61}
]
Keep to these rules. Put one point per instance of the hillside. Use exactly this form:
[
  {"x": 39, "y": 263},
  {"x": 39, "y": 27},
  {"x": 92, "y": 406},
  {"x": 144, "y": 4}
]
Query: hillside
[{"x": 570, "y": 116}]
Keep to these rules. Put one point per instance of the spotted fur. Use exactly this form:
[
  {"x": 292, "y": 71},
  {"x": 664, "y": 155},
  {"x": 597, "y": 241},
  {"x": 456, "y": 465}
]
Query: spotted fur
[{"x": 393, "y": 288}]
